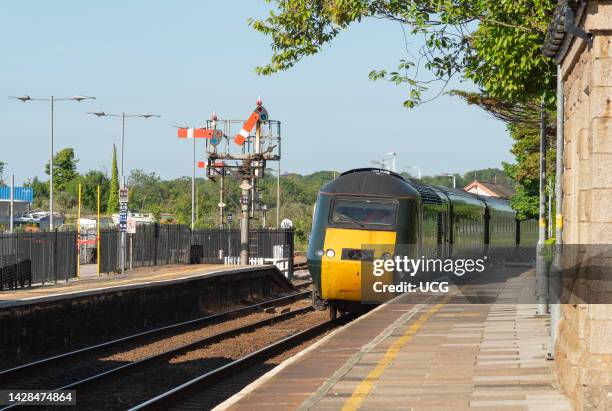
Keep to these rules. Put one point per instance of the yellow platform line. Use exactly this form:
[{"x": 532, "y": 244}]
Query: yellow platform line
[{"x": 365, "y": 386}]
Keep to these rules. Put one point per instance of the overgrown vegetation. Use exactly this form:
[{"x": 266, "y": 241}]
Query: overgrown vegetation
[
  {"x": 495, "y": 44},
  {"x": 150, "y": 194}
]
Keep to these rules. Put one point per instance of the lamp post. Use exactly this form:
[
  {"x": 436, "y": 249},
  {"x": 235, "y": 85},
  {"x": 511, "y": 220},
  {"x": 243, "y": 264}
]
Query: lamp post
[
  {"x": 454, "y": 179},
  {"x": 123, "y": 117},
  {"x": 122, "y": 179},
  {"x": 393, "y": 157},
  {"x": 278, "y": 193},
  {"x": 52, "y": 100}
]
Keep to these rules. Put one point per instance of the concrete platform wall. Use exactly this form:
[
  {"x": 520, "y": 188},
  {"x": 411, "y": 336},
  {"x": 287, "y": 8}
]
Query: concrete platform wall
[{"x": 66, "y": 323}]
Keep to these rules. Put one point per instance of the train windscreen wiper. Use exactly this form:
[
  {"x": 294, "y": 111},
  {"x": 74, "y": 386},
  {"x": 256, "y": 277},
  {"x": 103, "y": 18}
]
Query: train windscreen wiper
[{"x": 351, "y": 219}]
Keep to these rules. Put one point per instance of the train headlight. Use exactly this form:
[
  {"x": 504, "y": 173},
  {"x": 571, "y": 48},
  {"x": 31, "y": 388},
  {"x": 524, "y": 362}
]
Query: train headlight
[
  {"x": 330, "y": 253},
  {"x": 319, "y": 253},
  {"x": 385, "y": 256}
]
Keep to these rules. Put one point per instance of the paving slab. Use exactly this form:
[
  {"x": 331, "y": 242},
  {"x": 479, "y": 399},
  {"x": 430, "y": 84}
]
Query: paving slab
[{"x": 429, "y": 355}]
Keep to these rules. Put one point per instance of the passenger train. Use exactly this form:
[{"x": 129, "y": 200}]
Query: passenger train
[{"x": 368, "y": 213}]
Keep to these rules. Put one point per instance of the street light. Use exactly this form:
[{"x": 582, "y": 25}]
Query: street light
[
  {"x": 454, "y": 179},
  {"x": 122, "y": 183},
  {"x": 393, "y": 155},
  {"x": 51, "y": 100},
  {"x": 123, "y": 117}
]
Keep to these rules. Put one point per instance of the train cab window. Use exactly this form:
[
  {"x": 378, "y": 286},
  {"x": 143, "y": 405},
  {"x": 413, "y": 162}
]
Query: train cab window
[{"x": 361, "y": 212}]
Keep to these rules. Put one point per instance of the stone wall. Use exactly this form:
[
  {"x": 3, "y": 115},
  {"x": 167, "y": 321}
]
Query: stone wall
[{"x": 584, "y": 347}]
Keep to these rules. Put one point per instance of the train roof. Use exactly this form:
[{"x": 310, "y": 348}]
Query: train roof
[
  {"x": 380, "y": 182},
  {"x": 456, "y": 195},
  {"x": 498, "y": 204},
  {"x": 372, "y": 182}
]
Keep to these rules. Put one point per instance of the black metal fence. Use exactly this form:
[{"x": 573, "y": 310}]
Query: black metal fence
[
  {"x": 37, "y": 258},
  {"x": 152, "y": 244},
  {"x": 175, "y": 244},
  {"x": 217, "y": 244}
]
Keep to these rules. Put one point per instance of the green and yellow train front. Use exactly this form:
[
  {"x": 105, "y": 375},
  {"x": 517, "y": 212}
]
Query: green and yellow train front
[{"x": 360, "y": 217}]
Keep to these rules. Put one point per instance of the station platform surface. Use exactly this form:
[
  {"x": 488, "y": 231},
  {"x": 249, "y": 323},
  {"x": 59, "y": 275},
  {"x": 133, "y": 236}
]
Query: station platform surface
[
  {"x": 93, "y": 284},
  {"x": 477, "y": 348}
]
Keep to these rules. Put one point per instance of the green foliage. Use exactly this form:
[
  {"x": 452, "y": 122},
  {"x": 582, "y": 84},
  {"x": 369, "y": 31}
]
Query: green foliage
[
  {"x": 41, "y": 193},
  {"x": 525, "y": 171},
  {"x": 496, "y": 44},
  {"x": 113, "y": 194},
  {"x": 90, "y": 182},
  {"x": 64, "y": 168},
  {"x": 2, "y": 166}
]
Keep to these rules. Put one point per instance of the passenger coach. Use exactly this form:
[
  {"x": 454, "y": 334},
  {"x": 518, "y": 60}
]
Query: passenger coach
[{"x": 368, "y": 214}]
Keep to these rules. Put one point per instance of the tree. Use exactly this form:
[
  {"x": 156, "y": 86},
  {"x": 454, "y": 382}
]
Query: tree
[
  {"x": 525, "y": 171},
  {"x": 64, "y": 168},
  {"x": 2, "y": 165},
  {"x": 495, "y": 44},
  {"x": 90, "y": 182},
  {"x": 41, "y": 193},
  {"x": 145, "y": 189},
  {"x": 113, "y": 195}
]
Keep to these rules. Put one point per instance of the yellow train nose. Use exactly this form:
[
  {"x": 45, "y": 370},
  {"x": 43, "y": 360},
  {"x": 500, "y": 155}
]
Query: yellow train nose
[{"x": 341, "y": 274}]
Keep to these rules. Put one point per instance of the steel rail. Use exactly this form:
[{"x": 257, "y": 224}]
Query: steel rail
[
  {"x": 165, "y": 355},
  {"x": 200, "y": 383},
  {"x": 160, "y": 330}
]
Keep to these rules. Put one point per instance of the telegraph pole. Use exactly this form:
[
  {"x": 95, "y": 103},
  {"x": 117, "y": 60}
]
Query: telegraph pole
[
  {"x": 12, "y": 204},
  {"x": 278, "y": 191},
  {"x": 193, "y": 170},
  {"x": 221, "y": 192}
]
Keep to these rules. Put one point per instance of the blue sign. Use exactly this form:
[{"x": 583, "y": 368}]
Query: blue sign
[
  {"x": 20, "y": 193},
  {"x": 123, "y": 216}
]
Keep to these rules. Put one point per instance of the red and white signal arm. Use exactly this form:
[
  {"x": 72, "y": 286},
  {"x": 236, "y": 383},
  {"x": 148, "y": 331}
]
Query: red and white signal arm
[
  {"x": 259, "y": 114},
  {"x": 194, "y": 132}
]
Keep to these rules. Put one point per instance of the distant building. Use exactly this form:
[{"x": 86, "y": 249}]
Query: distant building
[
  {"x": 22, "y": 198},
  {"x": 488, "y": 189},
  {"x": 19, "y": 208}
]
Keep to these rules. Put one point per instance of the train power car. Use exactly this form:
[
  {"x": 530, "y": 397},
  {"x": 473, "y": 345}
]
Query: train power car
[{"x": 367, "y": 214}]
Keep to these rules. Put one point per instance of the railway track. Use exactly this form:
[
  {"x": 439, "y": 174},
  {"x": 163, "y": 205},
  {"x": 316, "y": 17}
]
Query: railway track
[
  {"x": 84, "y": 366},
  {"x": 197, "y": 394},
  {"x": 132, "y": 383},
  {"x": 300, "y": 266}
]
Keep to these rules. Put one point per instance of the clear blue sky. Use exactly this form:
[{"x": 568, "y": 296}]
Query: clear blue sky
[{"x": 184, "y": 59}]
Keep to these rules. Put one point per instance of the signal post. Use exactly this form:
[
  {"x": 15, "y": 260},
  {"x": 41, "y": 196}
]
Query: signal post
[{"x": 242, "y": 153}]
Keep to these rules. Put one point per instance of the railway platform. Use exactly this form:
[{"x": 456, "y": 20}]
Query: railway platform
[
  {"x": 132, "y": 279},
  {"x": 478, "y": 347},
  {"x": 61, "y": 317}
]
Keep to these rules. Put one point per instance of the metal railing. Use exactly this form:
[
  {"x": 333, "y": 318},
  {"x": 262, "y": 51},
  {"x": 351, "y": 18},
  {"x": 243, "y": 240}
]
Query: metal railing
[
  {"x": 37, "y": 258},
  {"x": 217, "y": 243},
  {"x": 156, "y": 244}
]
